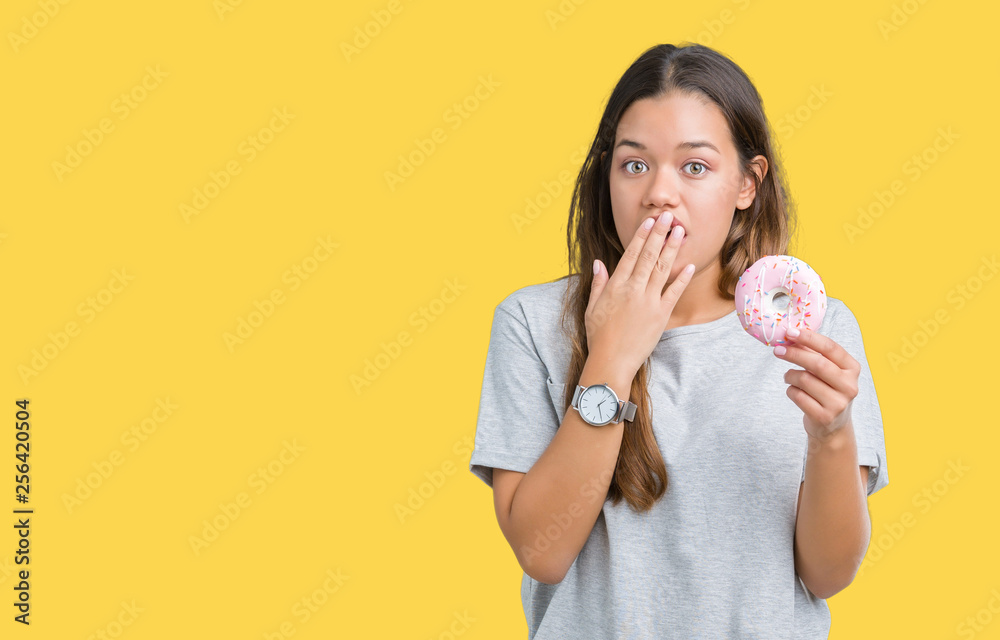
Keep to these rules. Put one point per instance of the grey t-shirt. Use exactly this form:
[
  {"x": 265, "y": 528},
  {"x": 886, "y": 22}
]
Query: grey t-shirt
[{"x": 713, "y": 558}]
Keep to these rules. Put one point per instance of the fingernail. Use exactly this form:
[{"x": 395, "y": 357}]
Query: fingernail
[
  {"x": 597, "y": 267},
  {"x": 792, "y": 333},
  {"x": 648, "y": 224},
  {"x": 779, "y": 350}
]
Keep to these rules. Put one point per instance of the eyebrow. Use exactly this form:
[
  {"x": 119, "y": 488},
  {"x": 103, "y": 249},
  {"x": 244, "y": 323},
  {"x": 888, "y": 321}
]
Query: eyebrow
[{"x": 693, "y": 144}]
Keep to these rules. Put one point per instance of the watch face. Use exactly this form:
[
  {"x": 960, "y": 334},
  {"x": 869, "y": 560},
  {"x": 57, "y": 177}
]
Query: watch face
[{"x": 598, "y": 404}]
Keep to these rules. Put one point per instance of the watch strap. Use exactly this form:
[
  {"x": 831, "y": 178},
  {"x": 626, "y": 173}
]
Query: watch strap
[{"x": 627, "y": 412}]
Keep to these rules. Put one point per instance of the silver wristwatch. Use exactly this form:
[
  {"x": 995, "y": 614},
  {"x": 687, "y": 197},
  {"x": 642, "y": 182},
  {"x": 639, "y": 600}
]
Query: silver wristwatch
[{"x": 599, "y": 405}]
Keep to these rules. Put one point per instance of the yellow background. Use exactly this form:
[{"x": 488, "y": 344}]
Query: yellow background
[{"x": 332, "y": 505}]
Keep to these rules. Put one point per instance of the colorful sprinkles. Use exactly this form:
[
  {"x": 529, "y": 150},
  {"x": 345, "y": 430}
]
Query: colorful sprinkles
[{"x": 757, "y": 309}]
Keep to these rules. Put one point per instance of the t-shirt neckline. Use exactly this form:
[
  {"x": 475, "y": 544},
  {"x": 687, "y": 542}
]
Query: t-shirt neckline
[{"x": 711, "y": 325}]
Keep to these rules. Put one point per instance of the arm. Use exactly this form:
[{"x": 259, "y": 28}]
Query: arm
[
  {"x": 547, "y": 514},
  {"x": 832, "y": 527}
]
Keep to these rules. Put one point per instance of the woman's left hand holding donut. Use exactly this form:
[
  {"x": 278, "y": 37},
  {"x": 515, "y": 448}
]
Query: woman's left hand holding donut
[{"x": 825, "y": 389}]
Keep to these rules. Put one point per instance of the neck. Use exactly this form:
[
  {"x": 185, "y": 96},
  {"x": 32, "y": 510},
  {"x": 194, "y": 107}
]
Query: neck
[{"x": 701, "y": 301}]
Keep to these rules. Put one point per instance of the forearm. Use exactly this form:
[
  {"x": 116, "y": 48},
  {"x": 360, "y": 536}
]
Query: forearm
[
  {"x": 832, "y": 528},
  {"x": 559, "y": 499}
]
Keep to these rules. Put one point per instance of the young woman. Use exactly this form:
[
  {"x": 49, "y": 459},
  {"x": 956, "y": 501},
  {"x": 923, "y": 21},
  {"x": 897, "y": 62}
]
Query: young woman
[{"x": 734, "y": 500}]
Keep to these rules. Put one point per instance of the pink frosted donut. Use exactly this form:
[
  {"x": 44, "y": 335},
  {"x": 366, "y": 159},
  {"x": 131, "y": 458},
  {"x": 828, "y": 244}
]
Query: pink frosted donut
[{"x": 777, "y": 292}]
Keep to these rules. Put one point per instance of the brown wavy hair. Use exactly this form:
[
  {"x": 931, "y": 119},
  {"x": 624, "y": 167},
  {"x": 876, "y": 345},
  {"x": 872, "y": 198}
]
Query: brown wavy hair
[{"x": 764, "y": 228}]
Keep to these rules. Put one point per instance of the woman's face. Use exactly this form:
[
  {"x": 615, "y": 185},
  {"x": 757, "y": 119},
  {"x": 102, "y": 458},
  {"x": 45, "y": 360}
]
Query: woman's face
[{"x": 675, "y": 153}]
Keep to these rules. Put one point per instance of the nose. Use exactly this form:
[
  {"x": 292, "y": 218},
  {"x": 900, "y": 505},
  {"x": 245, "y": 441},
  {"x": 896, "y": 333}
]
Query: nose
[{"x": 663, "y": 189}]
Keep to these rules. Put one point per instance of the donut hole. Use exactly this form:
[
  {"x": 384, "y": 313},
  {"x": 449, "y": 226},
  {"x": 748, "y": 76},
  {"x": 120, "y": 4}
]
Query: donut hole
[{"x": 780, "y": 301}]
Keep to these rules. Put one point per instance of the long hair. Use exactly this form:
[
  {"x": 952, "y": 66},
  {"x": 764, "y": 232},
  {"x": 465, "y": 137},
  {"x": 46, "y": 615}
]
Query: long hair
[{"x": 764, "y": 228}]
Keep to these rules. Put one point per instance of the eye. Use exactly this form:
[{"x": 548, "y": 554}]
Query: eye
[
  {"x": 628, "y": 162},
  {"x": 703, "y": 168}
]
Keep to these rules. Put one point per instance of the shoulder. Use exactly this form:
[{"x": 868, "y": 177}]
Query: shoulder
[
  {"x": 838, "y": 315},
  {"x": 841, "y": 325},
  {"x": 836, "y": 309},
  {"x": 537, "y": 304}
]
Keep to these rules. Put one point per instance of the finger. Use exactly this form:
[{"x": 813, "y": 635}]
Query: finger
[
  {"x": 651, "y": 250},
  {"x": 665, "y": 262},
  {"x": 640, "y": 247},
  {"x": 821, "y": 409},
  {"x": 805, "y": 402},
  {"x": 825, "y": 345},
  {"x": 800, "y": 347},
  {"x": 597, "y": 286},
  {"x": 818, "y": 390},
  {"x": 598, "y": 309},
  {"x": 820, "y": 366},
  {"x": 676, "y": 288}
]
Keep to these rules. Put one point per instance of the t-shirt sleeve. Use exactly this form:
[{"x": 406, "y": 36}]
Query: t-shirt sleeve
[
  {"x": 517, "y": 419},
  {"x": 865, "y": 413}
]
